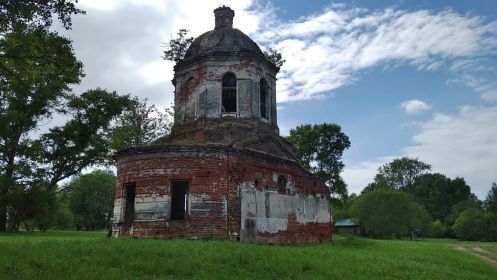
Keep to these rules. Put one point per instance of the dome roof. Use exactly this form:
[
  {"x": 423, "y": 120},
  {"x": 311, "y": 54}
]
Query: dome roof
[{"x": 222, "y": 40}]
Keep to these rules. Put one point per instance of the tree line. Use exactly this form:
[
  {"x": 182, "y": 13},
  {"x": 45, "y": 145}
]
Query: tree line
[
  {"x": 38, "y": 68},
  {"x": 405, "y": 196}
]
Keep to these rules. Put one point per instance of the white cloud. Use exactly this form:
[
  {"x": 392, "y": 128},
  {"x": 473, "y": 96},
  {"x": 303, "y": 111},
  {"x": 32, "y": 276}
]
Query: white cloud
[
  {"x": 121, "y": 42},
  {"x": 414, "y": 106},
  {"x": 359, "y": 175},
  {"x": 462, "y": 145},
  {"x": 328, "y": 50}
]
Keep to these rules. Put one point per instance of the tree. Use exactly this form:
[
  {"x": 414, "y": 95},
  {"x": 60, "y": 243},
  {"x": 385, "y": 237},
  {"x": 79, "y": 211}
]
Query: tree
[
  {"x": 470, "y": 225},
  {"x": 379, "y": 183},
  {"x": 91, "y": 199},
  {"x": 36, "y": 13},
  {"x": 341, "y": 208},
  {"x": 176, "y": 47},
  {"x": 388, "y": 213},
  {"x": 491, "y": 199},
  {"x": 275, "y": 57},
  {"x": 471, "y": 203},
  {"x": 402, "y": 172},
  {"x": 438, "y": 194},
  {"x": 139, "y": 125},
  {"x": 318, "y": 149},
  {"x": 36, "y": 69},
  {"x": 437, "y": 229},
  {"x": 63, "y": 151}
]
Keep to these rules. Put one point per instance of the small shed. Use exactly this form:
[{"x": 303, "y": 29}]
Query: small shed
[{"x": 347, "y": 226}]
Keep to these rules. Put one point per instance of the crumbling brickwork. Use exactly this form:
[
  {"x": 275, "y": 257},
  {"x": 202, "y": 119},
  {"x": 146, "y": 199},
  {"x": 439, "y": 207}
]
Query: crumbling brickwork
[
  {"x": 221, "y": 173},
  {"x": 219, "y": 177}
]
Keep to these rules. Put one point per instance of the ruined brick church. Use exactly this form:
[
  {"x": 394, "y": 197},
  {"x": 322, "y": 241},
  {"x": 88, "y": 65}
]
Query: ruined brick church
[{"x": 224, "y": 171}]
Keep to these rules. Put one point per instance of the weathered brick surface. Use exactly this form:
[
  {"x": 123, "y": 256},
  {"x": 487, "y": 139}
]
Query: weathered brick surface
[
  {"x": 216, "y": 175},
  {"x": 244, "y": 182}
]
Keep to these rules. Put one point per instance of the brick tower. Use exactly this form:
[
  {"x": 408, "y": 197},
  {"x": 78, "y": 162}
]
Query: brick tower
[{"x": 224, "y": 171}]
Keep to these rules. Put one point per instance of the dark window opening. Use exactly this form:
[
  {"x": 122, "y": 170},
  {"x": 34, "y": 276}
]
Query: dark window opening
[
  {"x": 129, "y": 207},
  {"x": 179, "y": 190},
  {"x": 263, "y": 96},
  {"x": 228, "y": 104},
  {"x": 281, "y": 184}
]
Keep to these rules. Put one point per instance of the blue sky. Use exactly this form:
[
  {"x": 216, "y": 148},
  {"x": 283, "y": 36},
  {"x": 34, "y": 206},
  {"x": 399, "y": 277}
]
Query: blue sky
[{"x": 402, "y": 78}]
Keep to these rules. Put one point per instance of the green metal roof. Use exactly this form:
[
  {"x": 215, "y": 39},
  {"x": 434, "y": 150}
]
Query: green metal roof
[{"x": 345, "y": 223}]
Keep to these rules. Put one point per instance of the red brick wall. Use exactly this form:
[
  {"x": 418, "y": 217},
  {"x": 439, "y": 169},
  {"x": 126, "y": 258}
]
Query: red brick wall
[{"x": 217, "y": 174}]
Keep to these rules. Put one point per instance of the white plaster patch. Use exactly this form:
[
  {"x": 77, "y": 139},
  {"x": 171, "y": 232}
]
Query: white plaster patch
[
  {"x": 118, "y": 215},
  {"x": 151, "y": 207},
  {"x": 270, "y": 210}
]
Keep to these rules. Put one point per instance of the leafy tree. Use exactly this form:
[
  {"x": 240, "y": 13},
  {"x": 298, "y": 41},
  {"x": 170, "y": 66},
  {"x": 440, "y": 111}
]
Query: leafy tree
[
  {"x": 319, "y": 149},
  {"x": 36, "y": 13},
  {"x": 139, "y": 125},
  {"x": 471, "y": 203},
  {"x": 36, "y": 69},
  {"x": 341, "y": 208},
  {"x": 177, "y": 47},
  {"x": 389, "y": 213},
  {"x": 275, "y": 57},
  {"x": 438, "y": 194},
  {"x": 379, "y": 183},
  {"x": 470, "y": 225},
  {"x": 91, "y": 198},
  {"x": 491, "y": 199},
  {"x": 401, "y": 173},
  {"x": 437, "y": 229}
]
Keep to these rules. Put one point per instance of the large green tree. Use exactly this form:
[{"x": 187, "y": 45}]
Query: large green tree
[
  {"x": 400, "y": 172},
  {"x": 475, "y": 224},
  {"x": 91, "y": 198},
  {"x": 140, "y": 124},
  {"x": 36, "y": 69},
  {"x": 319, "y": 149},
  {"x": 63, "y": 151},
  {"x": 491, "y": 199},
  {"x": 438, "y": 194},
  {"x": 35, "y": 13},
  {"x": 389, "y": 213}
]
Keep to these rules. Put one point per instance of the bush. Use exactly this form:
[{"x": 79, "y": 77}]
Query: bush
[
  {"x": 437, "y": 229},
  {"x": 388, "y": 213},
  {"x": 470, "y": 225},
  {"x": 474, "y": 224}
]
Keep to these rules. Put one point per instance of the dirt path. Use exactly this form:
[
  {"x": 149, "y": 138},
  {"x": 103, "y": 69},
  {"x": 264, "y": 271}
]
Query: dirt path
[{"x": 479, "y": 252}]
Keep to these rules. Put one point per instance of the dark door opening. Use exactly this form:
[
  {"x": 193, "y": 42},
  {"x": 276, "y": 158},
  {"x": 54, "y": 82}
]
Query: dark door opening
[
  {"x": 179, "y": 190},
  {"x": 129, "y": 207}
]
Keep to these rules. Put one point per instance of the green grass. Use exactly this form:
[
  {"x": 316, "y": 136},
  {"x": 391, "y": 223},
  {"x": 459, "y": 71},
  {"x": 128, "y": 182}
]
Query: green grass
[{"x": 81, "y": 255}]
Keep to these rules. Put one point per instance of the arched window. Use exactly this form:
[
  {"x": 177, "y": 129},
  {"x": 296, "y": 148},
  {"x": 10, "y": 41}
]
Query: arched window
[
  {"x": 263, "y": 98},
  {"x": 229, "y": 93}
]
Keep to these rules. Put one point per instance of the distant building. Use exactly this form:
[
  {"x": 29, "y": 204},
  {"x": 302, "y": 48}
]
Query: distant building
[
  {"x": 224, "y": 171},
  {"x": 347, "y": 226}
]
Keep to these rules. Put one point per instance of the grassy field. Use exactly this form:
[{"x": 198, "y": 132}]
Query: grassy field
[{"x": 80, "y": 255}]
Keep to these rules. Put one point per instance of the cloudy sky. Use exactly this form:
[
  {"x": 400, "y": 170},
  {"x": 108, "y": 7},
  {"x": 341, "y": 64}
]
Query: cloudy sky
[{"x": 402, "y": 78}]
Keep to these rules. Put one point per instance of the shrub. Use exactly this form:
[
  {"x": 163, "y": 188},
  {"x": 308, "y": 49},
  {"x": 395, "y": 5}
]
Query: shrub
[
  {"x": 388, "y": 213},
  {"x": 470, "y": 225},
  {"x": 437, "y": 229}
]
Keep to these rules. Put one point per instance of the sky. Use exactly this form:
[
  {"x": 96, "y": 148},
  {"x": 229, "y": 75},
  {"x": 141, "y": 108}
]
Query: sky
[{"x": 402, "y": 78}]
